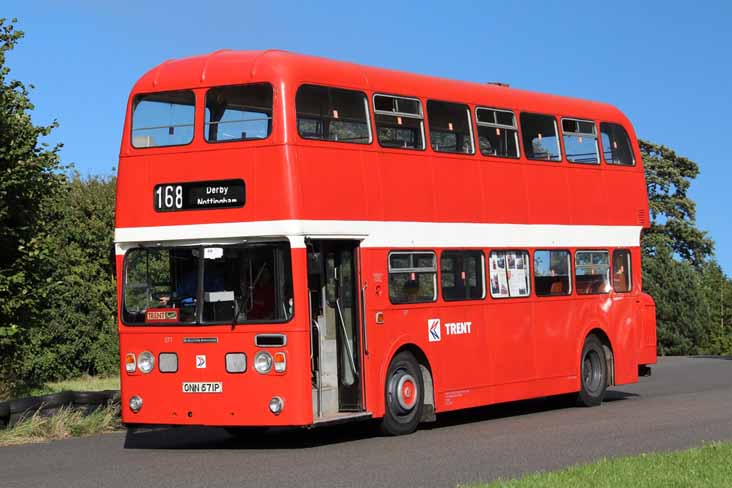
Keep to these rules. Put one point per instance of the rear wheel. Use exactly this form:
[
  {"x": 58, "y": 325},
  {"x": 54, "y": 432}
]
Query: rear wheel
[
  {"x": 404, "y": 395},
  {"x": 593, "y": 373}
]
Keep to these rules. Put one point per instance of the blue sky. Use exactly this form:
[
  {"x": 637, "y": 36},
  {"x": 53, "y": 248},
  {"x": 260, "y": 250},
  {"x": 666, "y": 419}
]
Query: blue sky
[{"x": 666, "y": 64}]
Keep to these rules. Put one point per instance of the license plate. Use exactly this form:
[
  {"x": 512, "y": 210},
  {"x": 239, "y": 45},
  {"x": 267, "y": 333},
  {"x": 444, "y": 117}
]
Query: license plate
[{"x": 206, "y": 387}]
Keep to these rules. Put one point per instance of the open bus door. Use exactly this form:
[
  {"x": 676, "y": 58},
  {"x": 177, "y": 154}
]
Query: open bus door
[{"x": 337, "y": 367}]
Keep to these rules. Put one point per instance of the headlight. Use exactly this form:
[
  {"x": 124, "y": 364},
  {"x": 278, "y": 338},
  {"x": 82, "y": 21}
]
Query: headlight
[
  {"x": 146, "y": 362},
  {"x": 263, "y": 362},
  {"x": 276, "y": 404},
  {"x": 135, "y": 403}
]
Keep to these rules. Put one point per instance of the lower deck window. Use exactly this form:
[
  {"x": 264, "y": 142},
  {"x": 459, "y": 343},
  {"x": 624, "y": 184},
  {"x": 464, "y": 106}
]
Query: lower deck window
[
  {"x": 462, "y": 276},
  {"x": 230, "y": 284},
  {"x": 552, "y": 273},
  {"x": 412, "y": 277},
  {"x": 509, "y": 271},
  {"x": 622, "y": 271},
  {"x": 592, "y": 272}
]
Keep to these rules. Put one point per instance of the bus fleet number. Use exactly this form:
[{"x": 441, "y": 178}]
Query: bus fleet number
[{"x": 169, "y": 197}]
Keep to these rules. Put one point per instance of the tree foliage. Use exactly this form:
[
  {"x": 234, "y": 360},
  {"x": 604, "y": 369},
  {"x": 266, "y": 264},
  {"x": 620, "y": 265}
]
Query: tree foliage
[
  {"x": 29, "y": 175},
  {"x": 673, "y": 213},
  {"x": 74, "y": 328},
  {"x": 57, "y": 292},
  {"x": 679, "y": 271}
]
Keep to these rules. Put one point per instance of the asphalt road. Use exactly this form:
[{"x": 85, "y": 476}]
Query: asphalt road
[{"x": 686, "y": 402}]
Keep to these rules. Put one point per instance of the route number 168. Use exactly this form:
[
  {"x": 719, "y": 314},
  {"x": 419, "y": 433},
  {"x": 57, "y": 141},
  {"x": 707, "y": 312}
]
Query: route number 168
[{"x": 169, "y": 197}]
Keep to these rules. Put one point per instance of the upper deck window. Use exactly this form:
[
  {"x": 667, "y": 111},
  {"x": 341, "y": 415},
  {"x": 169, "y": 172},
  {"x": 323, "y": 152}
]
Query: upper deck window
[
  {"x": 539, "y": 135},
  {"x": 497, "y": 133},
  {"x": 580, "y": 141},
  {"x": 399, "y": 122},
  {"x": 332, "y": 114},
  {"x": 450, "y": 128},
  {"x": 238, "y": 113},
  {"x": 163, "y": 119},
  {"x": 616, "y": 148}
]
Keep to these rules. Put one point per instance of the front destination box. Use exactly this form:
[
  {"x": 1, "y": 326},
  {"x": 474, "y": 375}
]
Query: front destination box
[{"x": 199, "y": 195}]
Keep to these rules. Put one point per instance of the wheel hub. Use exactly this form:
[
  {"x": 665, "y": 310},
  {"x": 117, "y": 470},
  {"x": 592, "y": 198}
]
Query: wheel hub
[{"x": 406, "y": 392}]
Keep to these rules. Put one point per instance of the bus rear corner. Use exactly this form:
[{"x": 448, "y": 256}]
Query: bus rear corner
[{"x": 647, "y": 339}]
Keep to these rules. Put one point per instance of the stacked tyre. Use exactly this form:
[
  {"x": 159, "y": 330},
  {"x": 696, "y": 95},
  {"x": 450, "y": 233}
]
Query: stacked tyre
[
  {"x": 86, "y": 401},
  {"x": 4, "y": 414},
  {"x": 89, "y": 401}
]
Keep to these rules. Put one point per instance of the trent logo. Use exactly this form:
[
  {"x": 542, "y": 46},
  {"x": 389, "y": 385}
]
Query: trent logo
[
  {"x": 433, "y": 330},
  {"x": 201, "y": 361}
]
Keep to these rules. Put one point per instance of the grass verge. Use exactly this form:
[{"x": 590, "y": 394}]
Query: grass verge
[
  {"x": 704, "y": 466},
  {"x": 85, "y": 383},
  {"x": 67, "y": 422}
]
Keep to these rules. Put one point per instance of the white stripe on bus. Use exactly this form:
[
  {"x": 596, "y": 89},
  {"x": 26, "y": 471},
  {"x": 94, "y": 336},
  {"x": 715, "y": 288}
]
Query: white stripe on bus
[{"x": 380, "y": 234}]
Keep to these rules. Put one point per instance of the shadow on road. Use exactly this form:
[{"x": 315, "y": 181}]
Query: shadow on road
[{"x": 297, "y": 438}]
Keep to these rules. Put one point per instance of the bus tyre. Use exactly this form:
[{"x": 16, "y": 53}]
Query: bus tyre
[
  {"x": 593, "y": 373},
  {"x": 404, "y": 396}
]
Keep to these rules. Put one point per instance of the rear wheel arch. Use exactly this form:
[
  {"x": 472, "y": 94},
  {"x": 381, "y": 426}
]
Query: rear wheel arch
[{"x": 608, "y": 348}]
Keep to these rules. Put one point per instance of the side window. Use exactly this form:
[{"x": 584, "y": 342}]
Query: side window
[
  {"x": 539, "y": 136},
  {"x": 399, "y": 122},
  {"x": 509, "y": 271},
  {"x": 462, "y": 275},
  {"x": 163, "y": 119},
  {"x": 238, "y": 113},
  {"x": 592, "y": 272},
  {"x": 412, "y": 277},
  {"x": 497, "y": 133},
  {"x": 580, "y": 141},
  {"x": 622, "y": 271},
  {"x": 552, "y": 273},
  {"x": 450, "y": 128},
  {"x": 332, "y": 114},
  {"x": 616, "y": 147}
]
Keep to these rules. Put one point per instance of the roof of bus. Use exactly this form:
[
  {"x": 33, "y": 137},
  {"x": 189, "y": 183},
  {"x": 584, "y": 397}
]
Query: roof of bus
[{"x": 228, "y": 67}]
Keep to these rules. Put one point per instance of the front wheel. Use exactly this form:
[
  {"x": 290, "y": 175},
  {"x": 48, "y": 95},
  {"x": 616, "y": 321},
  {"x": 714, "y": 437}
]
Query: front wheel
[
  {"x": 593, "y": 373},
  {"x": 404, "y": 395}
]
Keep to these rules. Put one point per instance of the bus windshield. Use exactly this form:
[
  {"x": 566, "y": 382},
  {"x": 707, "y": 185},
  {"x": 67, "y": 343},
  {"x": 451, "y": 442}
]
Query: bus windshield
[{"x": 208, "y": 285}]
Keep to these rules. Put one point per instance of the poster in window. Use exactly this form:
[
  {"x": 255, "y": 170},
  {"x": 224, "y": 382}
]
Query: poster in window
[
  {"x": 499, "y": 281},
  {"x": 517, "y": 276}
]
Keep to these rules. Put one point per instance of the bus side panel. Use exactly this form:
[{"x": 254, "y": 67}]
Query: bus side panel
[
  {"x": 647, "y": 350},
  {"x": 624, "y": 323}
]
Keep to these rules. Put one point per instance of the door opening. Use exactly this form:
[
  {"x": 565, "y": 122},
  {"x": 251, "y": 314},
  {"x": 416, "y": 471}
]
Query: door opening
[{"x": 335, "y": 323}]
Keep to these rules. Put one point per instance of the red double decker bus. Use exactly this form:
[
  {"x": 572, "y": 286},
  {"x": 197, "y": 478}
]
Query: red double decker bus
[{"x": 303, "y": 241}]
